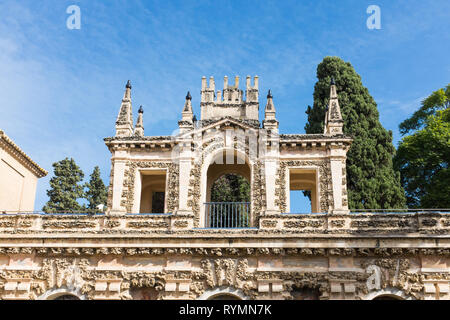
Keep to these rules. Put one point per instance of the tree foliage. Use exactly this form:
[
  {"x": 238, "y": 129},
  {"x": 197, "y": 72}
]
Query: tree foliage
[
  {"x": 423, "y": 157},
  {"x": 371, "y": 179},
  {"x": 439, "y": 99},
  {"x": 65, "y": 188},
  {"x": 230, "y": 188},
  {"x": 97, "y": 192}
]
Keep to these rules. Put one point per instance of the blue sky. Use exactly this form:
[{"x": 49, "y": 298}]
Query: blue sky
[{"x": 60, "y": 89}]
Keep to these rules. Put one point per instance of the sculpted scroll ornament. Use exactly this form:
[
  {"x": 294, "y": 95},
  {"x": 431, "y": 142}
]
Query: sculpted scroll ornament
[
  {"x": 64, "y": 271},
  {"x": 224, "y": 272},
  {"x": 390, "y": 272},
  {"x": 54, "y": 273}
]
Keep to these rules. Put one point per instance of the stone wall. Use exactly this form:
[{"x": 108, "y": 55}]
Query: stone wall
[{"x": 320, "y": 256}]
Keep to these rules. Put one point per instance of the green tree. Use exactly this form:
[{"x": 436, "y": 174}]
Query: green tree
[
  {"x": 230, "y": 188},
  {"x": 423, "y": 157},
  {"x": 97, "y": 192},
  {"x": 64, "y": 187},
  {"x": 438, "y": 100},
  {"x": 371, "y": 180}
]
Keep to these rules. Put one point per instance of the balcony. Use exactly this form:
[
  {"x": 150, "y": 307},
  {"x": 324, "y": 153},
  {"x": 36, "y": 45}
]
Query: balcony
[{"x": 227, "y": 215}]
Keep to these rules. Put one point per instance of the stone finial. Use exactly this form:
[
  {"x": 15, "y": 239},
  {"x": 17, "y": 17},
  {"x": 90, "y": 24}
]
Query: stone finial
[
  {"x": 139, "y": 128},
  {"x": 187, "y": 109},
  {"x": 270, "y": 108},
  {"x": 207, "y": 92},
  {"x": 252, "y": 90},
  {"x": 203, "y": 83},
  {"x": 270, "y": 122},
  {"x": 124, "y": 122},
  {"x": 333, "y": 117},
  {"x": 212, "y": 84}
]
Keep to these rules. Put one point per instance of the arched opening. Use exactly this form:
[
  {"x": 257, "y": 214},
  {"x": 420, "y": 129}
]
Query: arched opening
[
  {"x": 223, "y": 293},
  {"x": 387, "y": 297},
  {"x": 144, "y": 293},
  {"x": 388, "y": 294},
  {"x": 62, "y": 293},
  {"x": 66, "y": 297},
  {"x": 228, "y": 191},
  {"x": 224, "y": 296}
]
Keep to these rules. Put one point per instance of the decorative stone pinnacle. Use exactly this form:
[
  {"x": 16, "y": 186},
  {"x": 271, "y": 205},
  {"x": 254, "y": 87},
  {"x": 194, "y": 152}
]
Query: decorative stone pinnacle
[
  {"x": 141, "y": 110},
  {"x": 128, "y": 86},
  {"x": 269, "y": 95},
  {"x": 188, "y": 96}
]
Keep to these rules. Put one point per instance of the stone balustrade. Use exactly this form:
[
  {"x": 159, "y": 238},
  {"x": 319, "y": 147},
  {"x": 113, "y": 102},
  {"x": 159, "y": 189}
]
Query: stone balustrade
[{"x": 430, "y": 223}]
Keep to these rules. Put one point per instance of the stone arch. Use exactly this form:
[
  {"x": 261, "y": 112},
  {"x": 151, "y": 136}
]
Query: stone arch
[
  {"x": 243, "y": 167},
  {"x": 223, "y": 293},
  {"x": 389, "y": 293},
  {"x": 55, "y": 293}
]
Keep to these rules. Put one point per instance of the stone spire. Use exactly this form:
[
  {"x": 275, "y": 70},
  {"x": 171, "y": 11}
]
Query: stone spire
[
  {"x": 270, "y": 122},
  {"x": 333, "y": 116},
  {"x": 187, "y": 116},
  {"x": 187, "y": 109},
  {"x": 139, "y": 128},
  {"x": 124, "y": 122}
]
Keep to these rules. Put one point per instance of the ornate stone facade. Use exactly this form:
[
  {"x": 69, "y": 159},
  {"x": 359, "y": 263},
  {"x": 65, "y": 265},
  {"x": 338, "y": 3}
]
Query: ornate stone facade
[{"x": 129, "y": 254}]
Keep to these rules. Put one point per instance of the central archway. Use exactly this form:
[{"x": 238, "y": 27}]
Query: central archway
[
  {"x": 229, "y": 205},
  {"x": 66, "y": 297},
  {"x": 225, "y": 214},
  {"x": 224, "y": 296},
  {"x": 62, "y": 293},
  {"x": 387, "y": 297},
  {"x": 223, "y": 293},
  {"x": 388, "y": 294}
]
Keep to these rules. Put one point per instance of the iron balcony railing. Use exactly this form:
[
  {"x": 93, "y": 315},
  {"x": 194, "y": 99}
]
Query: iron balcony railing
[{"x": 227, "y": 214}]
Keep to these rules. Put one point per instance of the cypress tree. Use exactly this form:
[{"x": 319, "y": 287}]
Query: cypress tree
[
  {"x": 97, "y": 192},
  {"x": 64, "y": 187},
  {"x": 371, "y": 180}
]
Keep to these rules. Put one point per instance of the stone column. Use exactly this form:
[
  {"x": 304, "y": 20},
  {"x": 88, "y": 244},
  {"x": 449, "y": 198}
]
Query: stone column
[
  {"x": 119, "y": 159},
  {"x": 271, "y": 164},
  {"x": 337, "y": 158},
  {"x": 185, "y": 158}
]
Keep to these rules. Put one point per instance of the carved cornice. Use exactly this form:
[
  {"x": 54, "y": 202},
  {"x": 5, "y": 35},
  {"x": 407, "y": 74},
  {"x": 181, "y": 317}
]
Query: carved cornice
[
  {"x": 53, "y": 251},
  {"x": 9, "y": 146}
]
